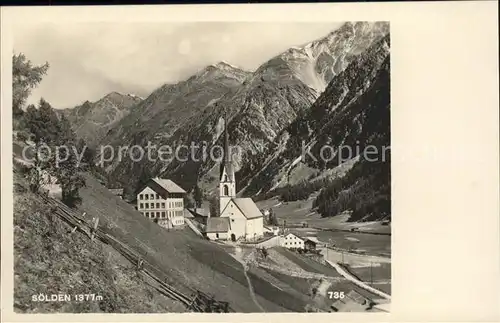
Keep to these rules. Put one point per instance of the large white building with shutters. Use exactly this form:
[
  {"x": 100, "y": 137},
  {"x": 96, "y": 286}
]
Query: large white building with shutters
[{"x": 162, "y": 201}]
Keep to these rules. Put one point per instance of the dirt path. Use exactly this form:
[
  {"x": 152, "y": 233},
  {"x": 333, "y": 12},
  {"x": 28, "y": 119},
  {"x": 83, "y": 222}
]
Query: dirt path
[
  {"x": 358, "y": 282},
  {"x": 244, "y": 260}
]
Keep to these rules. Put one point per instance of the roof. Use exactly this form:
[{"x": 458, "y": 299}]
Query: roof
[
  {"x": 313, "y": 239},
  {"x": 169, "y": 185},
  {"x": 217, "y": 225},
  {"x": 294, "y": 234},
  {"x": 247, "y": 207},
  {"x": 199, "y": 212},
  {"x": 188, "y": 214}
]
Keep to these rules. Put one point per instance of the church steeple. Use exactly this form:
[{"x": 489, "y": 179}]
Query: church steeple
[
  {"x": 226, "y": 168},
  {"x": 227, "y": 186}
]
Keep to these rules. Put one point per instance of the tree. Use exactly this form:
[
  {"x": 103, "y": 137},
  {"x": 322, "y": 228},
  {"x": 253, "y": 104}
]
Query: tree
[
  {"x": 25, "y": 77},
  {"x": 264, "y": 252},
  {"x": 198, "y": 196},
  {"x": 67, "y": 172},
  {"x": 88, "y": 153},
  {"x": 273, "y": 220},
  {"x": 56, "y": 134},
  {"x": 214, "y": 206},
  {"x": 189, "y": 201}
]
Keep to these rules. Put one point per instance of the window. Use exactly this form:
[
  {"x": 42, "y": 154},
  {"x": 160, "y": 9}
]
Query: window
[
  {"x": 147, "y": 214},
  {"x": 217, "y": 235},
  {"x": 141, "y": 197},
  {"x": 157, "y": 214},
  {"x": 152, "y": 196},
  {"x": 146, "y": 196},
  {"x": 163, "y": 205},
  {"x": 157, "y": 196},
  {"x": 169, "y": 205},
  {"x": 162, "y": 214},
  {"x": 232, "y": 220},
  {"x": 141, "y": 206},
  {"x": 157, "y": 205},
  {"x": 146, "y": 205},
  {"x": 226, "y": 191}
]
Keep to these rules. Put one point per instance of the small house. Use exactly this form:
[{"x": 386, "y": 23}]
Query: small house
[
  {"x": 310, "y": 245},
  {"x": 218, "y": 229},
  {"x": 293, "y": 241}
]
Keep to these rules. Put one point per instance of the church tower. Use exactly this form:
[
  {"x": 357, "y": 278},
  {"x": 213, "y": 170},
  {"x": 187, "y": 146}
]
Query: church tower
[{"x": 227, "y": 186}]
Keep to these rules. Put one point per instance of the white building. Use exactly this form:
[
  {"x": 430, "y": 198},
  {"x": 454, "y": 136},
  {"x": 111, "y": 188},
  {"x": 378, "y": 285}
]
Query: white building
[
  {"x": 292, "y": 241},
  {"x": 272, "y": 230},
  {"x": 163, "y": 201},
  {"x": 239, "y": 218}
]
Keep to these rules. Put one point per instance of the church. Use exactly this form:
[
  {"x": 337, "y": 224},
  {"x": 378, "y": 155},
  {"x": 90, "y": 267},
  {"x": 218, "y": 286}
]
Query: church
[{"x": 239, "y": 218}]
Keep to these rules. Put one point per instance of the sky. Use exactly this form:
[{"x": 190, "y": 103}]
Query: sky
[{"x": 89, "y": 60}]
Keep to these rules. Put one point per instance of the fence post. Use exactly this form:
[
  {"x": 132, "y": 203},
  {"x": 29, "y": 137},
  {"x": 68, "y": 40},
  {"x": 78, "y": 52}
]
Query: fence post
[{"x": 94, "y": 229}]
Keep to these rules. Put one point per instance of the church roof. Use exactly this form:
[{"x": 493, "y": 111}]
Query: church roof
[
  {"x": 247, "y": 207},
  {"x": 169, "y": 185},
  {"x": 217, "y": 225}
]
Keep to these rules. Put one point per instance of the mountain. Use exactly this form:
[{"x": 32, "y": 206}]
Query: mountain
[
  {"x": 92, "y": 120},
  {"x": 318, "y": 62},
  {"x": 260, "y": 105},
  {"x": 354, "y": 112}
]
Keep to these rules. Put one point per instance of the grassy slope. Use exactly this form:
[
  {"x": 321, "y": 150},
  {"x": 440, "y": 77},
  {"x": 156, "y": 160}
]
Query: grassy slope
[
  {"x": 313, "y": 266},
  {"x": 49, "y": 260},
  {"x": 308, "y": 264},
  {"x": 377, "y": 273},
  {"x": 186, "y": 260}
]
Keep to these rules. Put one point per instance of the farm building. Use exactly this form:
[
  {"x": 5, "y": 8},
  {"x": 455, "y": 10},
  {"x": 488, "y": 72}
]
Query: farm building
[{"x": 292, "y": 241}]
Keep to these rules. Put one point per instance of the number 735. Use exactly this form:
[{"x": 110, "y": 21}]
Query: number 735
[{"x": 335, "y": 295}]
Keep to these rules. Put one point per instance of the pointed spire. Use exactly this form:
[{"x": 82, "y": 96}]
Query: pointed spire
[
  {"x": 226, "y": 164},
  {"x": 226, "y": 138}
]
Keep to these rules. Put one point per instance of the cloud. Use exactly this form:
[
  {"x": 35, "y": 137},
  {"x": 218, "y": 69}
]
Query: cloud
[{"x": 89, "y": 60}]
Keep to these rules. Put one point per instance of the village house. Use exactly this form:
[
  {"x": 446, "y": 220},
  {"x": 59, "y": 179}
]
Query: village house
[
  {"x": 162, "y": 201},
  {"x": 239, "y": 218},
  {"x": 293, "y": 241},
  {"x": 310, "y": 244}
]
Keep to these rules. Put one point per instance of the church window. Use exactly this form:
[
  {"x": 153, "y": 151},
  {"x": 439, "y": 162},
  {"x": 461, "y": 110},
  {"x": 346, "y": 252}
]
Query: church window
[
  {"x": 225, "y": 178},
  {"x": 226, "y": 190}
]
